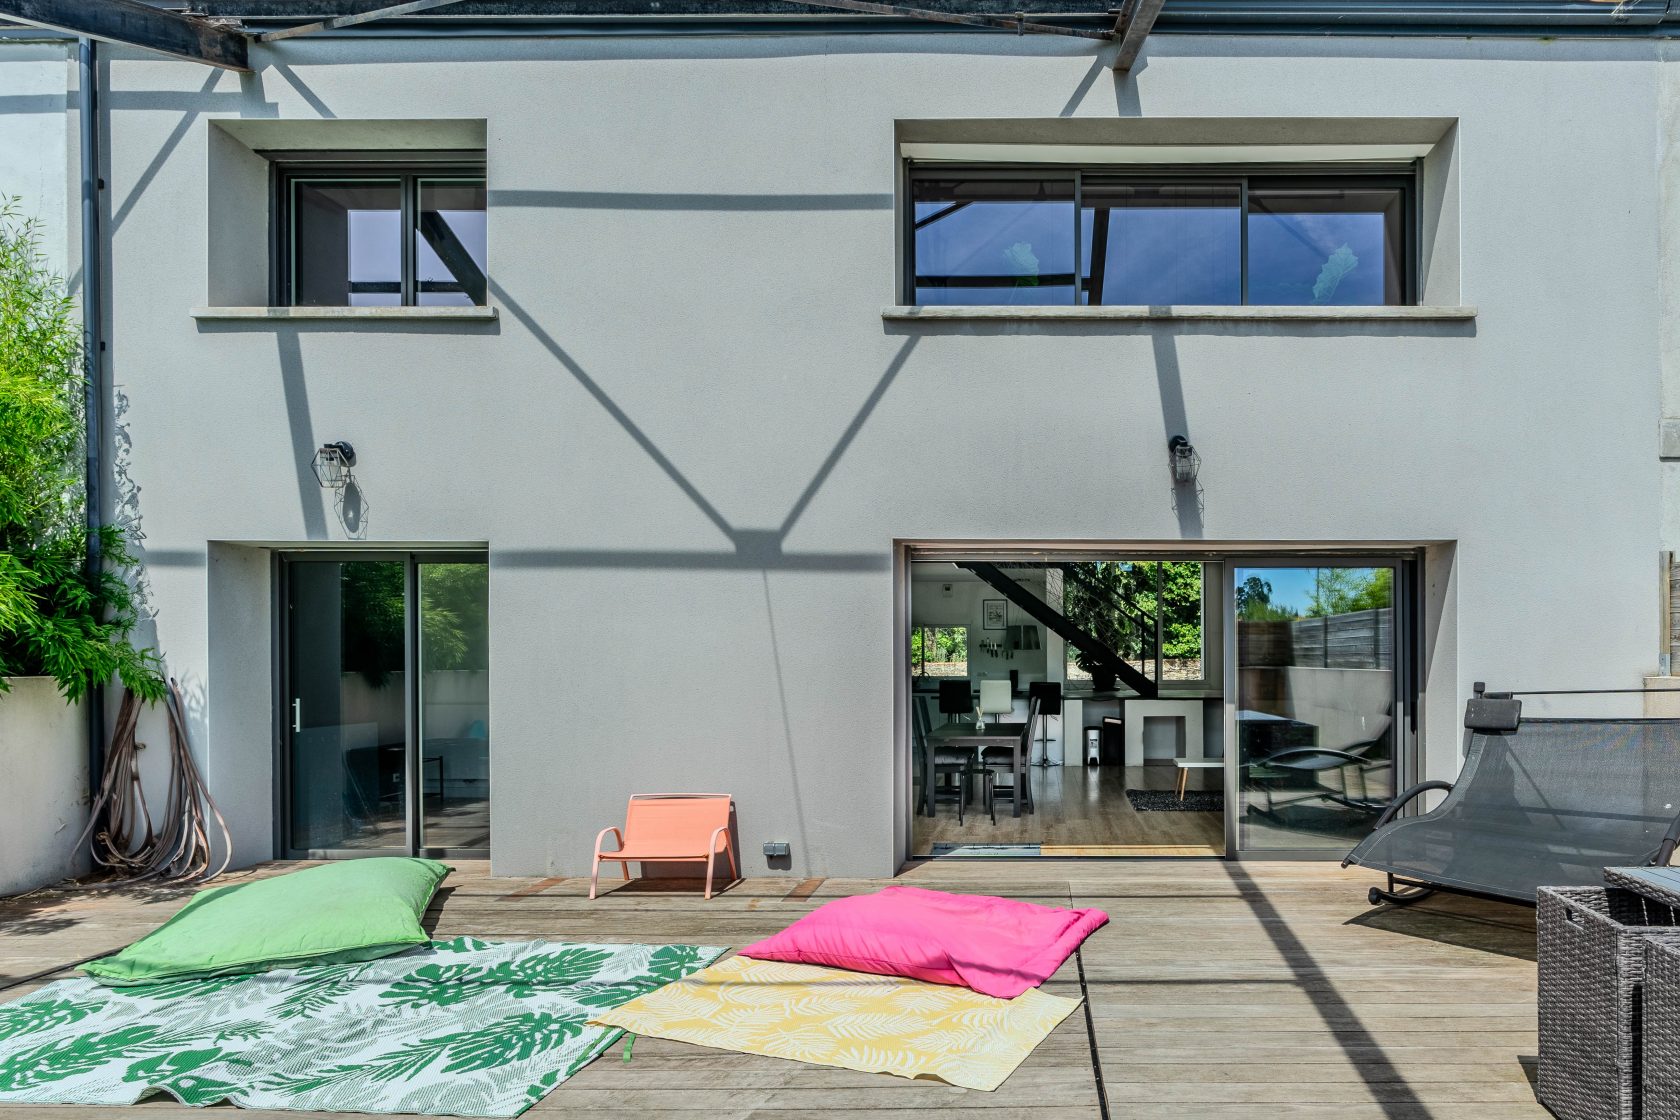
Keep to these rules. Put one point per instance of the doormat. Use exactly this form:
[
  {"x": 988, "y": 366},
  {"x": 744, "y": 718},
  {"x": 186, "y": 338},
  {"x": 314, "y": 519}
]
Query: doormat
[
  {"x": 458, "y": 1028},
  {"x": 985, "y": 851},
  {"x": 1166, "y": 801}
]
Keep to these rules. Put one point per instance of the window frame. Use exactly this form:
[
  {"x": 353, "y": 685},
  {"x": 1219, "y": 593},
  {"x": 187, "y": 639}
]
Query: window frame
[
  {"x": 1407, "y": 178},
  {"x": 408, "y": 167}
]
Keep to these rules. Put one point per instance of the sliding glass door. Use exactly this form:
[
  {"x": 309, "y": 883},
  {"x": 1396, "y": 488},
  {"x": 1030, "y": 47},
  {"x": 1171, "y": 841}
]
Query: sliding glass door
[
  {"x": 385, "y": 743},
  {"x": 1316, "y": 704}
]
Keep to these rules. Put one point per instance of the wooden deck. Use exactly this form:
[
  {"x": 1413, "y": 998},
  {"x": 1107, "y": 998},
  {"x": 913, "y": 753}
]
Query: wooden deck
[{"x": 1218, "y": 991}]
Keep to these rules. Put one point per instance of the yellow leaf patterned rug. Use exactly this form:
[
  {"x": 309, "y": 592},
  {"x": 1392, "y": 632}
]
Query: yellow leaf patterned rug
[{"x": 877, "y": 1024}]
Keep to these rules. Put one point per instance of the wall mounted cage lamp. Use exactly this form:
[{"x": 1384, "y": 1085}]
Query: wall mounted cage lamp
[
  {"x": 332, "y": 464},
  {"x": 1185, "y": 462}
]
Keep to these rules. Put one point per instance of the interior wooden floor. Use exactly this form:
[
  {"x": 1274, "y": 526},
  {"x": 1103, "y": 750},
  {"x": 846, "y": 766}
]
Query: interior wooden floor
[
  {"x": 1217, "y": 991},
  {"x": 1084, "y": 810}
]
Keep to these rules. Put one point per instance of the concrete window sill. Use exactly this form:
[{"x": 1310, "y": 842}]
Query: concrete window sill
[
  {"x": 347, "y": 314},
  {"x": 1248, "y": 313}
]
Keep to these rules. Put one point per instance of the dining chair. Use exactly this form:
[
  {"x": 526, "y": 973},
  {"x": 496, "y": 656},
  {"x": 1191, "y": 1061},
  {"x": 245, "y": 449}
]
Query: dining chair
[
  {"x": 1001, "y": 761},
  {"x": 956, "y": 698},
  {"x": 997, "y": 698}
]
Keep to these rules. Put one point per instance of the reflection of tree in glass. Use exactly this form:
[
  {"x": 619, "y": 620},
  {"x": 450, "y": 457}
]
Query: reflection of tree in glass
[
  {"x": 1345, "y": 590},
  {"x": 1254, "y": 602},
  {"x": 1334, "y": 591},
  {"x": 1336, "y": 267},
  {"x": 1022, "y": 263},
  {"x": 455, "y": 616},
  {"x": 373, "y": 620}
]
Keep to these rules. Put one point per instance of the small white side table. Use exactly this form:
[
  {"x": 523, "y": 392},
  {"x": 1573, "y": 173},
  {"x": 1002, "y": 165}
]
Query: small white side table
[{"x": 1185, "y": 765}]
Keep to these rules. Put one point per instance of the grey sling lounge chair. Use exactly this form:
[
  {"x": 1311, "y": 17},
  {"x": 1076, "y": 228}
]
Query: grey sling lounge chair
[{"x": 1539, "y": 802}]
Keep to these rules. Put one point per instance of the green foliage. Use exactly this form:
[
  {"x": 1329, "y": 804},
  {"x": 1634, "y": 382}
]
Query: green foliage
[
  {"x": 1254, "y": 602},
  {"x": 1345, "y": 590},
  {"x": 1115, "y": 601},
  {"x": 56, "y": 618},
  {"x": 938, "y": 645},
  {"x": 455, "y": 616},
  {"x": 371, "y": 598}
]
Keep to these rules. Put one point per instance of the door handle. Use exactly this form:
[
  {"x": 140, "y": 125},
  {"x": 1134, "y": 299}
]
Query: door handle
[{"x": 297, "y": 714}]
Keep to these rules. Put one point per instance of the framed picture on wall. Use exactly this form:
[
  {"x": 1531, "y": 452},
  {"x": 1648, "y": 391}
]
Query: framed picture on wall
[{"x": 994, "y": 614}]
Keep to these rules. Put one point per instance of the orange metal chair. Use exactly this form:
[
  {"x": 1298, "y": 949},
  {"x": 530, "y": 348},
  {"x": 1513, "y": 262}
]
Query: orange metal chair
[{"x": 670, "y": 828}]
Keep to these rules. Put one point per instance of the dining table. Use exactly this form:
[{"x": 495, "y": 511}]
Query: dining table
[{"x": 963, "y": 734}]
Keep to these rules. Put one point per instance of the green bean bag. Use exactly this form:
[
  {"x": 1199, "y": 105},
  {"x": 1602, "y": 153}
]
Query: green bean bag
[{"x": 354, "y": 910}]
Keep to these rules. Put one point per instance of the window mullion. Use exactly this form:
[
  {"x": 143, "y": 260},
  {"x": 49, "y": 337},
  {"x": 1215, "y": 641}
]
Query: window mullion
[
  {"x": 1242, "y": 235},
  {"x": 410, "y": 228},
  {"x": 1078, "y": 233}
]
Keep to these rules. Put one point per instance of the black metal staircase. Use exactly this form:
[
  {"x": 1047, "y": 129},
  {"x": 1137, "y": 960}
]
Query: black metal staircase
[{"x": 1112, "y": 624}]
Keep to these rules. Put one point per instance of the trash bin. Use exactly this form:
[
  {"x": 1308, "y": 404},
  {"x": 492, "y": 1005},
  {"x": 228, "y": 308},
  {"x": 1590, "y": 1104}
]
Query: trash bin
[
  {"x": 1093, "y": 746},
  {"x": 1113, "y": 741}
]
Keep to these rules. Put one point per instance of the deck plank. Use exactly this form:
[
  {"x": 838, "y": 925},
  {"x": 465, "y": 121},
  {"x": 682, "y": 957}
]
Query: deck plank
[{"x": 1215, "y": 989}]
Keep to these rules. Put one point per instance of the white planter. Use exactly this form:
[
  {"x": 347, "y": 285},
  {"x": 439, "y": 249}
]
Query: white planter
[{"x": 44, "y": 788}]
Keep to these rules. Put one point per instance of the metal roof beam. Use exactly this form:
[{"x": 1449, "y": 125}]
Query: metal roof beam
[
  {"x": 1020, "y": 25},
  {"x": 133, "y": 24},
  {"x": 387, "y": 12},
  {"x": 1132, "y": 28}
]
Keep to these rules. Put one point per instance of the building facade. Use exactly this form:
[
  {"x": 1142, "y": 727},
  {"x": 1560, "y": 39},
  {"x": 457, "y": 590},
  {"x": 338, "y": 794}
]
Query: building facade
[{"x": 702, "y": 419}]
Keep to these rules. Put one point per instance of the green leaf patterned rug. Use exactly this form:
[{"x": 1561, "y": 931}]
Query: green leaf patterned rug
[{"x": 460, "y": 1028}]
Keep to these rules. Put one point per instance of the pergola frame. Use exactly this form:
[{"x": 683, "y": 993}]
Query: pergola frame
[
  {"x": 134, "y": 24},
  {"x": 219, "y": 32},
  {"x": 225, "y": 44}
]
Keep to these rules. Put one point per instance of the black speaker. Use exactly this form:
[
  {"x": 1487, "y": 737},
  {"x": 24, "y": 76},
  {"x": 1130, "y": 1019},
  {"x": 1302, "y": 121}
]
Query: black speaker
[
  {"x": 956, "y": 698},
  {"x": 1049, "y": 697}
]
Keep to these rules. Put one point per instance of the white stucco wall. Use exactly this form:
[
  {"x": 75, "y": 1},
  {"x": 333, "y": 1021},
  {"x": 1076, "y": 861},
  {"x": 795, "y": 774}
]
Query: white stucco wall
[
  {"x": 690, "y": 245},
  {"x": 38, "y": 145},
  {"x": 44, "y": 799}
]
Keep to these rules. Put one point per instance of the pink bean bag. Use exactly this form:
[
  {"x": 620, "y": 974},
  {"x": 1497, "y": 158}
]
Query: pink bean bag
[{"x": 995, "y": 946}]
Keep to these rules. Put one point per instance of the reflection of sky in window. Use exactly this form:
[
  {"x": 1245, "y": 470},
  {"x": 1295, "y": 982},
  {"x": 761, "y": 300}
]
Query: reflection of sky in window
[
  {"x": 1332, "y": 259},
  {"x": 1015, "y": 242},
  {"x": 1175, "y": 254},
  {"x": 375, "y": 254},
  {"x": 470, "y": 228},
  {"x": 1293, "y": 588}
]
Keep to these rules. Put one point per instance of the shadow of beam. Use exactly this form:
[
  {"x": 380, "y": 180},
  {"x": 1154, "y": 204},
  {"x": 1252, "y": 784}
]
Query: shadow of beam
[
  {"x": 1388, "y": 1087},
  {"x": 753, "y": 548},
  {"x": 626, "y": 200},
  {"x": 749, "y": 559},
  {"x": 631, "y": 428},
  {"x": 847, "y": 436},
  {"x": 295, "y": 389}
]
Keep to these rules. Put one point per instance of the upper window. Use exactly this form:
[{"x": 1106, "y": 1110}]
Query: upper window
[
  {"x": 381, "y": 236},
  {"x": 1096, "y": 237}
]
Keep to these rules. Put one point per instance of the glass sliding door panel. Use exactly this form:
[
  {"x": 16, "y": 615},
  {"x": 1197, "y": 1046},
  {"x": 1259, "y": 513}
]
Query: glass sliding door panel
[
  {"x": 1316, "y": 705},
  {"x": 454, "y": 705},
  {"x": 346, "y": 708}
]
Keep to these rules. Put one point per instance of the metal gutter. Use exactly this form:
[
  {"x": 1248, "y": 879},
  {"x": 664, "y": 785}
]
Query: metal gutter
[{"x": 93, "y": 347}]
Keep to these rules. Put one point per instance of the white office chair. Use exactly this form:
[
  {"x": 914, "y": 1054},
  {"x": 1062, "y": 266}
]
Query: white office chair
[{"x": 996, "y": 698}]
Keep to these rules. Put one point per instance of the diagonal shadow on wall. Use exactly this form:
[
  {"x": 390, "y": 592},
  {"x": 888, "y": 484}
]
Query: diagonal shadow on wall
[{"x": 760, "y": 549}]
